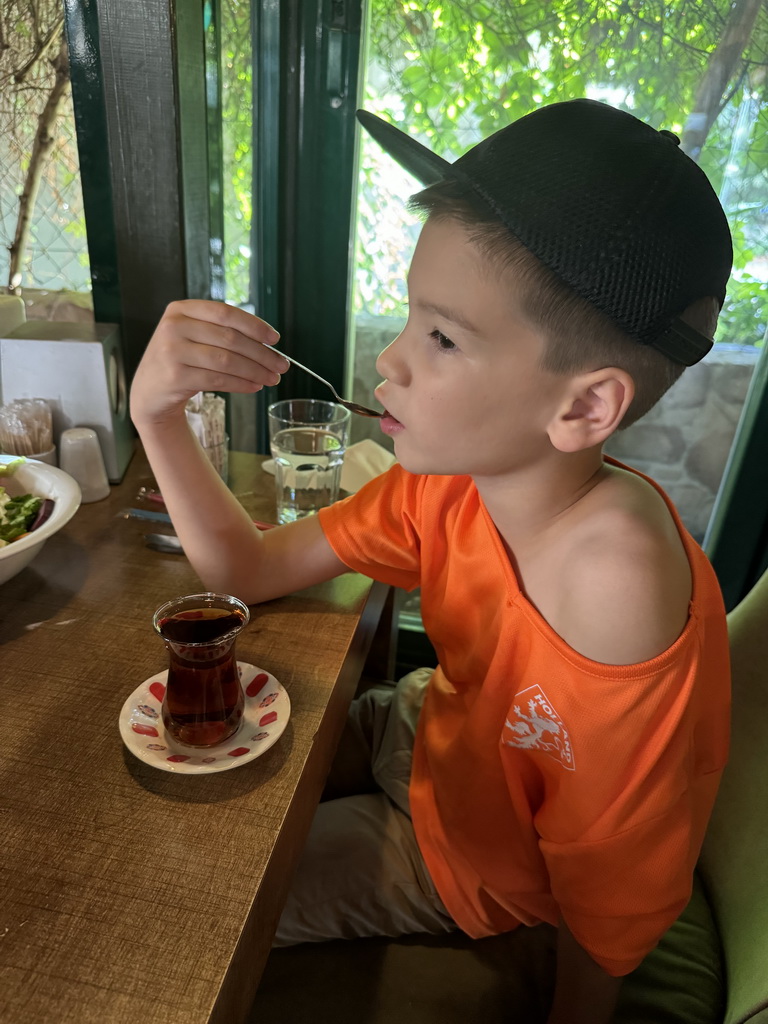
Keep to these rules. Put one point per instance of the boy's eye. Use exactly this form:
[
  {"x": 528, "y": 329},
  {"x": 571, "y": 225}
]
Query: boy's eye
[{"x": 441, "y": 341}]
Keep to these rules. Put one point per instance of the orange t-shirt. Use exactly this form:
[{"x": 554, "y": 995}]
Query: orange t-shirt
[{"x": 543, "y": 783}]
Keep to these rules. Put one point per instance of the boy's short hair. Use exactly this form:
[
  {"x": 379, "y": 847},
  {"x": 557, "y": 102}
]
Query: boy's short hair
[
  {"x": 620, "y": 221},
  {"x": 578, "y": 336}
]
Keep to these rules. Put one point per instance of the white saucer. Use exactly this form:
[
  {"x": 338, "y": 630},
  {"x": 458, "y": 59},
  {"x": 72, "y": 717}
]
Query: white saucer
[{"x": 266, "y": 714}]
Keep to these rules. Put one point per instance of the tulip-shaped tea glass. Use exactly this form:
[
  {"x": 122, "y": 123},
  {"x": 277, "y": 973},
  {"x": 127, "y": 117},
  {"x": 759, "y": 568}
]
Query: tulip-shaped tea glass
[{"x": 203, "y": 703}]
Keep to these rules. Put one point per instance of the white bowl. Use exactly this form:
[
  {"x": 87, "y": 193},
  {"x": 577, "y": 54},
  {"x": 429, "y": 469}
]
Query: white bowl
[{"x": 44, "y": 481}]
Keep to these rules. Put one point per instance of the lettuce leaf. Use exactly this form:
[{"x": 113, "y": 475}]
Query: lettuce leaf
[
  {"x": 9, "y": 468},
  {"x": 17, "y": 515}
]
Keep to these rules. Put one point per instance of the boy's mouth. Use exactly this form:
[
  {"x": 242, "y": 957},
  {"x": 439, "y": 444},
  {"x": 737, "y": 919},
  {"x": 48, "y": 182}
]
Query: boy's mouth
[{"x": 389, "y": 424}]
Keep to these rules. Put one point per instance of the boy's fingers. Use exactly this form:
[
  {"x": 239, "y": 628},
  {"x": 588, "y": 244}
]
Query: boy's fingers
[
  {"x": 219, "y": 381},
  {"x": 202, "y": 348},
  {"x": 229, "y": 339},
  {"x": 221, "y": 314},
  {"x": 215, "y": 360},
  {"x": 201, "y": 367}
]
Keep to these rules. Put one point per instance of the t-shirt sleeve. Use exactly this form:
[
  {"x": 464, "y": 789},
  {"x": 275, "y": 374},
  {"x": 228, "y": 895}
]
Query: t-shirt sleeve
[
  {"x": 629, "y": 770},
  {"x": 620, "y": 894},
  {"x": 376, "y": 531}
]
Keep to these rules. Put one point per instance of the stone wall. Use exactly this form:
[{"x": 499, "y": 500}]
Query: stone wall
[{"x": 683, "y": 443}]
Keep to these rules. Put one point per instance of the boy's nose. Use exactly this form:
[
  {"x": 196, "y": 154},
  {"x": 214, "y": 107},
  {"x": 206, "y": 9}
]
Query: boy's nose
[{"x": 390, "y": 363}]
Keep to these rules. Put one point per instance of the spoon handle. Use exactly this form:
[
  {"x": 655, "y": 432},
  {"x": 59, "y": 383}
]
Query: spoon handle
[
  {"x": 361, "y": 410},
  {"x": 306, "y": 369}
]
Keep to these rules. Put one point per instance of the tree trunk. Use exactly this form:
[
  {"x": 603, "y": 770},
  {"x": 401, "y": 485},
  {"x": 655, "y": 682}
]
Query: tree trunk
[
  {"x": 44, "y": 140},
  {"x": 720, "y": 70},
  {"x": 51, "y": 38}
]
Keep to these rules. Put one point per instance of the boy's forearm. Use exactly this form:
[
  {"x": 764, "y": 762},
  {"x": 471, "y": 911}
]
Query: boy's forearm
[
  {"x": 584, "y": 993},
  {"x": 215, "y": 530},
  {"x": 223, "y": 546}
]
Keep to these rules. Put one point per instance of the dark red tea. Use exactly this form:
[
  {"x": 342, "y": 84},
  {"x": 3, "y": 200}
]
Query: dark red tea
[
  {"x": 203, "y": 699},
  {"x": 200, "y": 625}
]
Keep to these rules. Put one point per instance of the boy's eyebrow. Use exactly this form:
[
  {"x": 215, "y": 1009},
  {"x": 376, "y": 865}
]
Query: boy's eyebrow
[{"x": 447, "y": 314}]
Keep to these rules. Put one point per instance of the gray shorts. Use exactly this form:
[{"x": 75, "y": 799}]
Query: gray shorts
[{"x": 361, "y": 873}]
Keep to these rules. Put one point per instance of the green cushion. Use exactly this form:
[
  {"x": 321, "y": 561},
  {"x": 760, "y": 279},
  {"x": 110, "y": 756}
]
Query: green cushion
[
  {"x": 734, "y": 860},
  {"x": 452, "y": 979},
  {"x": 682, "y": 980}
]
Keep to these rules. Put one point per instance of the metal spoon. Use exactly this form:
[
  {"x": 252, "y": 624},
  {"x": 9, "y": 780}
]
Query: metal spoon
[{"x": 361, "y": 410}]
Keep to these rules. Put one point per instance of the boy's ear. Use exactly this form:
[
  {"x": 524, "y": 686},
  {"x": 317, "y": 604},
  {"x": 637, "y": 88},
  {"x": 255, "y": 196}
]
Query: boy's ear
[{"x": 592, "y": 408}]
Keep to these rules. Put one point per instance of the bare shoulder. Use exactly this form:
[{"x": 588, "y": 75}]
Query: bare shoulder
[{"x": 626, "y": 575}]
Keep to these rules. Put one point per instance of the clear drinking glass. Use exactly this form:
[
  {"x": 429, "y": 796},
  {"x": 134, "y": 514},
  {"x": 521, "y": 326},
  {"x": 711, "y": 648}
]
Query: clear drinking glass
[
  {"x": 308, "y": 439},
  {"x": 203, "y": 703}
]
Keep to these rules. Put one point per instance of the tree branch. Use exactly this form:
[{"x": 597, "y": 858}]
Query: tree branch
[
  {"x": 42, "y": 49},
  {"x": 33, "y": 10},
  {"x": 732, "y": 92},
  {"x": 659, "y": 29},
  {"x": 720, "y": 69},
  {"x": 44, "y": 140}
]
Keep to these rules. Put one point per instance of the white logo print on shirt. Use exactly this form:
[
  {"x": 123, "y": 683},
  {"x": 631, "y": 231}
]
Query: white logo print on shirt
[{"x": 541, "y": 729}]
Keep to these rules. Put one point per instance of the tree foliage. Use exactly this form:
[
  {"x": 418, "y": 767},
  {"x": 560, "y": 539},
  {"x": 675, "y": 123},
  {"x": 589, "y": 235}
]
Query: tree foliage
[
  {"x": 499, "y": 60},
  {"x": 237, "y": 133},
  {"x": 453, "y": 72}
]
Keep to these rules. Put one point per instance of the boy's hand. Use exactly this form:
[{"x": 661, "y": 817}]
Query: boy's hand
[{"x": 201, "y": 345}]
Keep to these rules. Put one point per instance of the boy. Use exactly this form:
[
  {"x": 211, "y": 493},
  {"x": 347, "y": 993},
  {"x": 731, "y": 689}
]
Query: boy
[{"x": 569, "y": 747}]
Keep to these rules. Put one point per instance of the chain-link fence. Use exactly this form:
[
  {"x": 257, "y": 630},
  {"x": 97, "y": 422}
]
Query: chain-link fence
[{"x": 56, "y": 254}]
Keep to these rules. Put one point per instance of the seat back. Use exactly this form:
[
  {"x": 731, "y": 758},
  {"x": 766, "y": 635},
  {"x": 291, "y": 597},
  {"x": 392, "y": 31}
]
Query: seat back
[{"x": 734, "y": 860}]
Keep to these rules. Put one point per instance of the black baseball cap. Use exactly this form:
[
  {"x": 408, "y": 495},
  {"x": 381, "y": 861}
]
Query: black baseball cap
[{"x": 613, "y": 207}]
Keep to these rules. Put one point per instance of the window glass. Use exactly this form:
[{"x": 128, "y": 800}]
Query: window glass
[
  {"x": 452, "y": 73},
  {"x": 41, "y": 204}
]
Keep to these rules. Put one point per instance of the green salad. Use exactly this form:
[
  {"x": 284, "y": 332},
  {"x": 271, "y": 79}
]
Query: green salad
[
  {"x": 21, "y": 514},
  {"x": 17, "y": 515}
]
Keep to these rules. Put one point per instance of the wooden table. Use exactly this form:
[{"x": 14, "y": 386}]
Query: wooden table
[{"x": 129, "y": 894}]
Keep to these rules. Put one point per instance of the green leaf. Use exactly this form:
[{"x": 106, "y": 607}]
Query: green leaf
[{"x": 17, "y": 515}]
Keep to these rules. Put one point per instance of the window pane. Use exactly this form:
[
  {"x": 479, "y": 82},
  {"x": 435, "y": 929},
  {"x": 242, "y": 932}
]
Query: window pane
[
  {"x": 237, "y": 111},
  {"x": 39, "y": 169},
  {"x": 452, "y": 73}
]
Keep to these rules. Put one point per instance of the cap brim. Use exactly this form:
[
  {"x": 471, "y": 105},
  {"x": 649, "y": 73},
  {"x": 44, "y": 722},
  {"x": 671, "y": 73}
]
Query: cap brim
[{"x": 422, "y": 163}]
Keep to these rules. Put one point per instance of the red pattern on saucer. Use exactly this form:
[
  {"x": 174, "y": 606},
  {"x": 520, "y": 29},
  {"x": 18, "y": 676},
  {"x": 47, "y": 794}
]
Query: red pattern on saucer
[
  {"x": 256, "y": 685},
  {"x": 141, "y": 720},
  {"x": 144, "y": 730}
]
